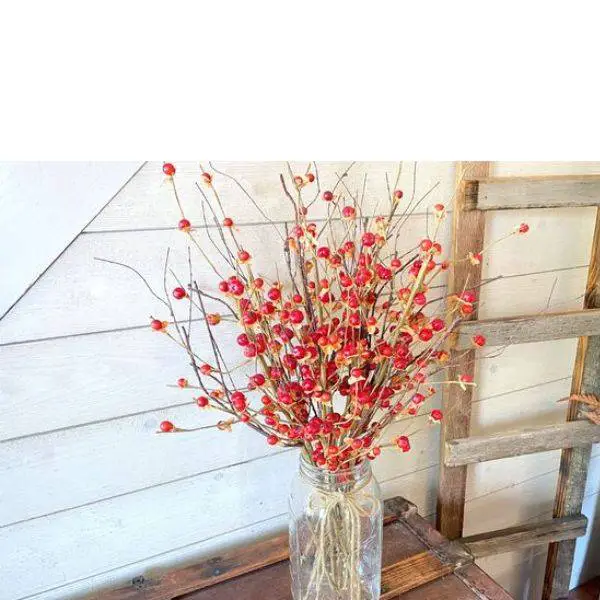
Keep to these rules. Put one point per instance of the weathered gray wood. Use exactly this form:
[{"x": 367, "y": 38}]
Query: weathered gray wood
[
  {"x": 525, "y": 536},
  {"x": 515, "y": 443},
  {"x": 499, "y": 193},
  {"x": 574, "y": 461},
  {"x": 468, "y": 232},
  {"x": 531, "y": 328}
]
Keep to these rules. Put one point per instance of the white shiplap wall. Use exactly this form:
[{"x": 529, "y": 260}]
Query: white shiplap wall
[{"x": 89, "y": 497}]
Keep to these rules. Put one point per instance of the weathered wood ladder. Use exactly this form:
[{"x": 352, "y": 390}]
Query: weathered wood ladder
[{"x": 476, "y": 194}]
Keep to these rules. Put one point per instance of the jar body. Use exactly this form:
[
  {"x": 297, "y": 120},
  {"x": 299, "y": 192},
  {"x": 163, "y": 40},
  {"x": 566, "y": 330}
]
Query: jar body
[{"x": 336, "y": 528}]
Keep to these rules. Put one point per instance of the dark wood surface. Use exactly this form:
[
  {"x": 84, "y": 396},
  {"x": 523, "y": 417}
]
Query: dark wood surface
[{"x": 418, "y": 563}]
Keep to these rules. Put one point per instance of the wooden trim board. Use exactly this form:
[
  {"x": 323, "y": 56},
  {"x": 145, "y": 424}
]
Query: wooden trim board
[
  {"x": 525, "y": 536},
  {"x": 468, "y": 233},
  {"x": 502, "y": 193},
  {"x": 482, "y": 448},
  {"x": 531, "y": 328}
]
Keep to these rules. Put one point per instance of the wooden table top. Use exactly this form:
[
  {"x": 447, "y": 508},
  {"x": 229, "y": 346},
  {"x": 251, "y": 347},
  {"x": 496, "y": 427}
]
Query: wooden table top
[{"x": 419, "y": 564}]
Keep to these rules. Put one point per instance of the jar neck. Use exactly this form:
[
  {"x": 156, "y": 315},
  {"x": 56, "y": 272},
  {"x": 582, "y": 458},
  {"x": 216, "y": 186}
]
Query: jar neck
[{"x": 344, "y": 480}]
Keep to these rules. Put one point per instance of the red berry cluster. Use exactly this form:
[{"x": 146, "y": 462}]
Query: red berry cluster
[{"x": 341, "y": 348}]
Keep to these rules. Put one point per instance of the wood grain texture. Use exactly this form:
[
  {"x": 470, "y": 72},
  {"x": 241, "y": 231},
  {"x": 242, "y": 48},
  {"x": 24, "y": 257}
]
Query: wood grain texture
[
  {"x": 468, "y": 229},
  {"x": 531, "y": 328},
  {"x": 227, "y": 565},
  {"x": 559, "y": 191},
  {"x": 479, "y": 582},
  {"x": 515, "y": 443},
  {"x": 411, "y": 562},
  {"x": 574, "y": 461},
  {"x": 525, "y": 536},
  {"x": 411, "y": 573}
]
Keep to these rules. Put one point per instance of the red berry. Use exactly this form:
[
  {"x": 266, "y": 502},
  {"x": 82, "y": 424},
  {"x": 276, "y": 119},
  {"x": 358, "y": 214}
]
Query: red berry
[
  {"x": 224, "y": 286},
  {"x": 398, "y": 194},
  {"x": 184, "y": 225},
  {"x": 368, "y": 238},
  {"x": 436, "y": 415},
  {"x": 296, "y": 317},
  {"x": 258, "y": 283},
  {"x": 250, "y": 351},
  {"x": 169, "y": 169},
  {"x": 425, "y": 334},
  {"x": 206, "y": 369},
  {"x": 523, "y": 228},
  {"x": 437, "y": 324},
  {"x": 202, "y": 401},
  {"x": 348, "y": 212},
  {"x": 182, "y": 382},
  {"x": 258, "y": 379},
  {"x": 179, "y": 293},
  {"x": 272, "y": 440},
  {"x": 236, "y": 287},
  {"x": 167, "y": 426},
  {"x": 310, "y": 177},
  {"x": 274, "y": 294},
  {"x": 479, "y": 340},
  {"x": 239, "y": 401},
  {"x": 227, "y": 222},
  {"x": 244, "y": 417},
  {"x": 157, "y": 325},
  {"x": 243, "y": 256},
  {"x": 403, "y": 443},
  {"x": 420, "y": 299},
  {"x": 327, "y": 196},
  {"x": 323, "y": 252},
  {"x": 426, "y": 245}
]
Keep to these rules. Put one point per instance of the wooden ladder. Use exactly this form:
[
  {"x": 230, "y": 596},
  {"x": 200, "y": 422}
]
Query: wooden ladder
[{"x": 476, "y": 194}]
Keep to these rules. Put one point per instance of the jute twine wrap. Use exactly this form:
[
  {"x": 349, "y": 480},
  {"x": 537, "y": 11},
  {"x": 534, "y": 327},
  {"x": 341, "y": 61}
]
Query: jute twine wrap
[{"x": 337, "y": 539}]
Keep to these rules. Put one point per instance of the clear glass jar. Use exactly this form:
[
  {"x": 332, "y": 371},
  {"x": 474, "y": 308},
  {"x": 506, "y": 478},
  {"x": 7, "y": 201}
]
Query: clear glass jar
[{"x": 336, "y": 528}]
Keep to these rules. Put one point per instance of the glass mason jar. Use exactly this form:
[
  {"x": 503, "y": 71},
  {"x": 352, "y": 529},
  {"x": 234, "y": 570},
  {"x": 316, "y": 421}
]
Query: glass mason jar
[{"x": 336, "y": 528}]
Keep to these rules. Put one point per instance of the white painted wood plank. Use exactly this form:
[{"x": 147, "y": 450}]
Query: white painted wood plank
[
  {"x": 148, "y": 200},
  {"x": 100, "y": 461},
  {"x": 43, "y": 207},
  {"x": 89, "y": 541},
  {"x": 556, "y": 239},
  {"x": 73, "y": 381},
  {"x": 79, "y": 294}
]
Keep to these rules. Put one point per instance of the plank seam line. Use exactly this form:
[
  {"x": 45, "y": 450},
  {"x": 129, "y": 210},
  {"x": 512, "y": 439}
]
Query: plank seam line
[
  {"x": 136, "y": 327},
  {"x": 68, "y": 245},
  {"x": 149, "y": 487},
  {"x": 248, "y": 224},
  {"x": 218, "y": 535},
  {"x": 177, "y": 480},
  {"x": 190, "y": 402}
]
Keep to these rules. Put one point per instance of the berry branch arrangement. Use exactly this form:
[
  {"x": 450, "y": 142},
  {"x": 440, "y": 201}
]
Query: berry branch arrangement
[{"x": 349, "y": 340}]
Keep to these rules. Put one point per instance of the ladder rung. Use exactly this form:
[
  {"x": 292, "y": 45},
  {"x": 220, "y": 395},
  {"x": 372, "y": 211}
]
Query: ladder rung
[
  {"x": 499, "y": 193},
  {"x": 464, "y": 451},
  {"x": 531, "y": 328},
  {"x": 525, "y": 536}
]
